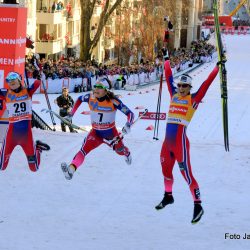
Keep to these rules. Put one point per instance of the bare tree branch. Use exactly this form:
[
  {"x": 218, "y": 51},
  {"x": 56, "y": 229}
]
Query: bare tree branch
[{"x": 103, "y": 20}]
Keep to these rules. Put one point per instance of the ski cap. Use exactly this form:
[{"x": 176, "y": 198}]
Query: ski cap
[
  {"x": 13, "y": 76},
  {"x": 185, "y": 78}
]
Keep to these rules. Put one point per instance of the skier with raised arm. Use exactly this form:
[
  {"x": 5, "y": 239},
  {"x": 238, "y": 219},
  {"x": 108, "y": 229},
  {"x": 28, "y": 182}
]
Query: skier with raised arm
[
  {"x": 175, "y": 147},
  {"x": 18, "y": 99},
  {"x": 103, "y": 105}
]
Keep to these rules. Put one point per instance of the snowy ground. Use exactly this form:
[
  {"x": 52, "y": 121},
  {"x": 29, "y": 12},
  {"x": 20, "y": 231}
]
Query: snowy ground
[{"x": 110, "y": 206}]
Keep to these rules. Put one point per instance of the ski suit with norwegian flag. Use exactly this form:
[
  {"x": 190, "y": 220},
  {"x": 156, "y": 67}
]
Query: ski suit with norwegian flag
[
  {"x": 102, "y": 115},
  {"x": 19, "y": 131},
  {"x": 176, "y": 144}
]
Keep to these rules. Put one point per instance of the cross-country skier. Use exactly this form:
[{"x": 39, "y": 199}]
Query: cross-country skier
[
  {"x": 103, "y": 105},
  {"x": 18, "y": 101},
  {"x": 175, "y": 147}
]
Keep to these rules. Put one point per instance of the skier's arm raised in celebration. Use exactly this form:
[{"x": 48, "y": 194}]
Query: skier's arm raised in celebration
[
  {"x": 32, "y": 89},
  {"x": 83, "y": 98},
  {"x": 168, "y": 73},
  {"x": 197, "y": 97}
]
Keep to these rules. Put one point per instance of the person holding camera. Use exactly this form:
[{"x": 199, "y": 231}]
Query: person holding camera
[{"x": 65, "y": 103}]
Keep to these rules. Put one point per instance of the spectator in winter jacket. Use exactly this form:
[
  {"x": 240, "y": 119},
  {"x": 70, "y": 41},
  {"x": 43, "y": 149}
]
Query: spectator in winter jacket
[{"x": 65, "y": 103}]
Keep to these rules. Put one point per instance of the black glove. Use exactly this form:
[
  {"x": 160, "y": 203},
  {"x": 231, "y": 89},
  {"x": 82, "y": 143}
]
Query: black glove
[
  {"x": 221, "y": 62},
  {"x": 165, "y": 53},
  {"x": 38, "y": 77}
]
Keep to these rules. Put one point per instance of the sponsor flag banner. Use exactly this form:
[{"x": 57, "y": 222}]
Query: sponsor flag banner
[
  {"x": 153, "y": 116},
  {"x": 13, "y": 22}
]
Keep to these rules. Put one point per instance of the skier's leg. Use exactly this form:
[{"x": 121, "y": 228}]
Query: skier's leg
[
  {"x": 167, "y": 164},
  {"x": 91, "y": 142},
  {"x": 120, "y": 148},
  {"x": 7, "y": 147},
  {"x": 32, "y": 152},
  {"x": 183, "y": 158}
]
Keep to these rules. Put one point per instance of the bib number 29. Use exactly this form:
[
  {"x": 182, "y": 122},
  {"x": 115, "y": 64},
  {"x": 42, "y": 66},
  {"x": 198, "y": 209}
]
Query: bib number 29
[{"x": 20, "y": 107}]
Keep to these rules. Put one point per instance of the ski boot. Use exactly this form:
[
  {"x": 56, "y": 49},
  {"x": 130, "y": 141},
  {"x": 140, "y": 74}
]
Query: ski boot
[
  {"x": 42, "y": 146},
  {"x": 68, "y": 170},
  {"x": 128, "y": 158},
  {"x": 198, "y": 212},
  {"x": 167, "y": 199}
]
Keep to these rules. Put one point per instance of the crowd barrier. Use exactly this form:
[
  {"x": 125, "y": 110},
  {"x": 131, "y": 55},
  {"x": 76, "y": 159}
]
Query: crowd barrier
[
  {"x": 231, "y": 30},
  {"x": 55, "y": 86}
]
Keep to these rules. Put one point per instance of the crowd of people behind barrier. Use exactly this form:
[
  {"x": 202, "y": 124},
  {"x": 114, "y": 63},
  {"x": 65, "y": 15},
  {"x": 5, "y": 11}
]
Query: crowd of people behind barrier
[
  {"x": 237, "y": 23},
  {"x": 134, "y": 74}
]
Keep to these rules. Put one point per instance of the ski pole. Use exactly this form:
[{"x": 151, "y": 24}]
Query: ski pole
[
  {"x": 46, "y": 95},
  {"x": 48, "y": 104},
  {"x": 26, "y": 76},
  {"x": 158, "y": 110},
  {"x": 64, "y": 120}
]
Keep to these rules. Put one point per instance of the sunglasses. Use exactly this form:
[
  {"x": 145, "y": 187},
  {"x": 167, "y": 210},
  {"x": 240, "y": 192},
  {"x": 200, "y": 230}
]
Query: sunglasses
[
  {"x": 12, "y": 76},
  {"x": 179, "y": 85},
  {"x": 99, "y": 86}
]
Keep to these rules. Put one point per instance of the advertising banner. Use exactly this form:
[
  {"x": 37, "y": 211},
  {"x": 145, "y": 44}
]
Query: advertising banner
[
  {"x": 153, "y": 116},
  {"x": 13, "y": 23}
]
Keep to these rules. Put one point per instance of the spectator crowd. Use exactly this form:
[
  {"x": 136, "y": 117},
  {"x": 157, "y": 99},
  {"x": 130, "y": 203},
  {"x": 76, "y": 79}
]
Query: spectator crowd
[{"x": 70, "y": 67}]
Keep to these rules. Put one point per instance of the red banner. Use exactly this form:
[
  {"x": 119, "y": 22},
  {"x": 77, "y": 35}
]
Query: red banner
[
  {"x": 153, "y": 116},
  {"x": 13, "y": 22},
  {"x": 224, "y": 20}
]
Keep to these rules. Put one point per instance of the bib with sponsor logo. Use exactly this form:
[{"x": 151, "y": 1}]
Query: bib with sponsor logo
[
  {"x": 102, "y": 114},
  {"x": 181, "y": 110},
  {"x": 19, "y": 105}
]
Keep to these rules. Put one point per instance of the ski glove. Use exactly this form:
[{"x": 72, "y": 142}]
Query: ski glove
[
  {"x": 165, "y": 53},
  {"x": 126, "y": 128},
  {"x": 221, "y": 62}
]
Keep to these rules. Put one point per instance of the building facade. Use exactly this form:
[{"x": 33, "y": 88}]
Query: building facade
[{"x": 55, "y": 27}]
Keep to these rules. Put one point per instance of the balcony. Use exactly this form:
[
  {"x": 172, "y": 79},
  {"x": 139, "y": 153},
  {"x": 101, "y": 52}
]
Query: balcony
[
  {"x": 74, "y": 41},
  {"x": 50, "y": 18},
  {"x": 49, "y": 47},
  {"x": 76, "y": 15}
]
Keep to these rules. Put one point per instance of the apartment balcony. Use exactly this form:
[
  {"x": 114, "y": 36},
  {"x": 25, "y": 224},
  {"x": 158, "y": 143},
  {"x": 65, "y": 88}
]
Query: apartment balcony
[
  {"x": 74, "y": 41},
  {"x": 76, "y": 15},
  {"x": 50, "y": 18},
  {"x": 49, "y": 47}
]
